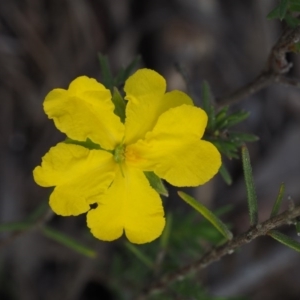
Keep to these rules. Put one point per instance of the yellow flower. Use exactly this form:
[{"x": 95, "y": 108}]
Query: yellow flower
[{"x": 162, "y": 133}]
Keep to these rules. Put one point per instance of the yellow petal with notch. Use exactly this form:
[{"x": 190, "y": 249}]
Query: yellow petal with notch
[
  {"x": 174, "y": 151},
  {"x": 84, "y": 111},
  {"x": 145, "y": 92},
  {"x": 129, "y": 205},
  {"x": 79, "y": 174}
]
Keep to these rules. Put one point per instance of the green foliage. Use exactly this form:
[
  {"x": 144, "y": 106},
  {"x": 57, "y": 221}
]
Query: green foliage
[
  {"x": 219, "y": 126},
  {"x": 35, "y": 220},
  {"x": 251, "y": 193},
  {"x": 68, "y": 242},
  {"x": 139, "y": 254},
  {"x": 286, "y": 10},
  {"x": 208, "y": 106},
  {"x": 113, "y": 83},
  {"x": 180, "y": 243},
  {"x": 124, "y": 73},
  {"x": 107, "y": 78},
  {"x": 119, "y": 103},
  {"x": 285, "y": 240},
  {"x": 278, "y": 201},
  {"x": 156, "y": 183},
  {"x": 298, "y": 226},
  {"x": 89, "y": 144},
  {"x": 207, "y": 214},
  {"x": 225, "y": 174},
  {"x": 109, "y": 81}
]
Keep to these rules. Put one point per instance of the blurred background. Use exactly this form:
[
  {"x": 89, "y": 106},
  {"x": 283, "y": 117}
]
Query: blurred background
[{"x": 45, "y": 44}]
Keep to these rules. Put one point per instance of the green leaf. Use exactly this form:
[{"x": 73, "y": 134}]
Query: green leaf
[
  {"x": 221, "y": 115},
  {"x": 207, "y": 104},
  {"x": 87, "y": 144},
  {"x": 156, "y": 183},
  {"x": 228, "y": 148},
  {"x": 224, "y": 122},
  {"x": 164, "y": 239},
  {"x": 251, "y": 193},
  {"x": 242, "y": 137},
  {"x": 125, "y": 73},
  {"x": 15, "y": 226},
  {"x": 297, "y": 47},
  {"x": 205, "y": 96},
  {"x": 225, "y": 174},
  {"x": 274, "y": 14},
  {"x": 207, "y": 214},
  {"x": 236, "y": 118},
  {"x": 291, "y": 21},
  {"x": 285, "y": 240},
  {"x": 294, "y": 6},
  {"x": 283, "y": 6},
  {"x": 298, "y": 226},
  {"x": 107, "y": 77},
  {"x": 139, "y": 254},
  {"x": 278, "y": 201},
  {"x": 38, "y": 212},
  {"x": 119, "y": 103},
  {"x": 68, "y": 242}
]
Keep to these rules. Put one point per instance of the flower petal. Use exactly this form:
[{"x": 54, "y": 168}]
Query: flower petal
[
  {"x": 145, "y": 92},
  {"x": 84, "y": 111},
  {"x": 173, "y": 149},
  {"x": 79, "y": 175},
  {"x": 131, "y": 205}
]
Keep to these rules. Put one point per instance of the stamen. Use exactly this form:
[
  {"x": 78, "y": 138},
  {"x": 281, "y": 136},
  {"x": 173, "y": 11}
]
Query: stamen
[{"x": 119, "y": 154}]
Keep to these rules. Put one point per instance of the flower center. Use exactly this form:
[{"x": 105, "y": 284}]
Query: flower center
[{"x": 119, "y": 154}]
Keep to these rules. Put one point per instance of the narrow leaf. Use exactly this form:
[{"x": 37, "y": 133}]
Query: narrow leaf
[
  {"x": 89, "y": 144},
  {"x": 207, "y": 104},
  {"x": 283, "y": 5},
  {"x": 38, "y": 212},
  {"x": 226, "y": 147},
  {"x": 130, "y": 68},
  {"x": 236, "y": 118},
  {"x": 243, "y": 137},
  {"x": 278, "y": 201},
  {"x": 140, "y": 255},
  {"x": 15, "y": 226},
  {"x": 225, "y": 174},
  {"x": 221, "y": 118},
  {"x": 295, "y": 6},
  {"x": 291, "y": 21},
  {"x": 107, "y": 77},
  {"x": 119, "y": 103},
  {"x": 297, "y": 48},
  {"x": 274, "y": 14},
  {"x": 68, "y": 242},
  {"x": 207, "y": 214},
  {"x": 298, "y": 226},
  {"x": 285, "y": 240},
  {"x": 164, "y": 240},
  {"x": 251, "y": 194},
  {"x": 156, "y": 183}
]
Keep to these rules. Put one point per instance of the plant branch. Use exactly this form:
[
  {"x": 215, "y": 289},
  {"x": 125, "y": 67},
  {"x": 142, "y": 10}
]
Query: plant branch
[
  {"x": 216, "y": 253},
  {"x": 28, "y": 226},
  {"x": 276, "y": 66}
]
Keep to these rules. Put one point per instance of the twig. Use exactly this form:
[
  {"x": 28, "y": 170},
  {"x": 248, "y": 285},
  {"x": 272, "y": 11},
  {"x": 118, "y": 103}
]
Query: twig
[
  {"x": 277, "y": 65},
  {"x": 287, "y": 81},
  {"x": 217, "y": 253},
  {"x": 30, "y": 227}
]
